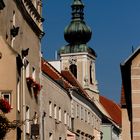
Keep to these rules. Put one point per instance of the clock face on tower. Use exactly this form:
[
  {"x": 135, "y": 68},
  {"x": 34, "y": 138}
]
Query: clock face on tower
[{"x": 72, "y": 60}]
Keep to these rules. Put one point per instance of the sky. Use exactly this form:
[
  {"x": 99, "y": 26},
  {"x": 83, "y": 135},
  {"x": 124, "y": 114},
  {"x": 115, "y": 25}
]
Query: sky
[{"x": 115, "y": 28}]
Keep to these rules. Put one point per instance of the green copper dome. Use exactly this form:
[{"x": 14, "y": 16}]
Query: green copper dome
[
  {"x": 77, "y": 33},
  {"x": 77, "y": 49}
]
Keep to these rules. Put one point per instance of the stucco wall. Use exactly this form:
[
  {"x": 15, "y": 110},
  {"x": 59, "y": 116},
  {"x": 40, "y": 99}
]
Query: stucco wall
[{"x": 59, "y": 97}]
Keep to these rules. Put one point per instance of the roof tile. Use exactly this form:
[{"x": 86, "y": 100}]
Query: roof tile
[{"x": 112, "y": 108}]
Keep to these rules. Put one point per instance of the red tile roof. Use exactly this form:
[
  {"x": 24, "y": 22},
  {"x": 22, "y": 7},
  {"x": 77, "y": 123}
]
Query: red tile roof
[
  {"x": 74, "y": 82},
  {"x": 112, "y": 108},
  {"x": 54, "y": 74}
]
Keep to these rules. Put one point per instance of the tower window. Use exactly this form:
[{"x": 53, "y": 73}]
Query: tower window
[
  {"x": 91, "y": 81},
  {"x": 73, "y": 69}
]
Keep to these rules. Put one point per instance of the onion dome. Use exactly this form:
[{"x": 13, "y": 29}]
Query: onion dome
[{"x": 77, "y": 32}]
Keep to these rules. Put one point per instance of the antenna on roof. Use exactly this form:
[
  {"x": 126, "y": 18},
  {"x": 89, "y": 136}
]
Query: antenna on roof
[{"x": 132, "y": 48}]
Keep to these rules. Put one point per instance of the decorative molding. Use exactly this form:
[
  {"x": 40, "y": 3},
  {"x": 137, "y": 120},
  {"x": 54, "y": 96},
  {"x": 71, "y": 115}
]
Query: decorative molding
[
  {"x": 26, "y": 9},
  {"x": 72, "y": 60}
]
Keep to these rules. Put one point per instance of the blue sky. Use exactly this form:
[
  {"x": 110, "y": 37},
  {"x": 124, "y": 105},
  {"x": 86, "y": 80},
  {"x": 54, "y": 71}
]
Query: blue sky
[{"x": 116, "y": 28}]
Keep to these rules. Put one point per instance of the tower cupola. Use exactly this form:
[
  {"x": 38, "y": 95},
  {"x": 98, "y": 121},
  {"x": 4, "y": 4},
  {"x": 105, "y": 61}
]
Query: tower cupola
[
  {"x": 77, "y": 56},
  {"x": 77, "y": 32}
]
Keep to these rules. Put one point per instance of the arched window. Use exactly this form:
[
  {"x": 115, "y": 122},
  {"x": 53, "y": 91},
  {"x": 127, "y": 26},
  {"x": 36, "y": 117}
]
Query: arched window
[
  {"x": 73, "y": 69},
  {"x": 91, "y": 81}
]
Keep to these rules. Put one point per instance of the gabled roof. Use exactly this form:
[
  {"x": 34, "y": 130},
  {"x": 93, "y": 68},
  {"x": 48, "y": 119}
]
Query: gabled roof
[
  {"x": 54, "y": 74},
  {"x": 126, "y": 81},
  {"x": 69, "y": 81},
  {"x": 112, "y": 108},
  {"x": 131, "y": 57},
  {"x": 74, "y": 82}
]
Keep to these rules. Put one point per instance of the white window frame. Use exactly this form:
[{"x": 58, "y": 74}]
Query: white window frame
[
  {"x": 3, "y": 93},
  {"x": 78, "y": 111},
  {"x": 27, "y": 119},
  {"x": 89, "y": 117},
  {"x": 50, "y": 136},
  {"x": 18, "y": 95},
  {"x": 85, "y": 115},
  {"x": 82, "y": 113},
  {"x": 55, "y": 111},
  {"x": 59, "y": 114},
  {"x": 27, "y": 69},
  {"x": 14, "y": 23},
  {"x": 50, "y": 109},
  {"x": 33, "y": 73},
  {"x": 65, "y": 117}
]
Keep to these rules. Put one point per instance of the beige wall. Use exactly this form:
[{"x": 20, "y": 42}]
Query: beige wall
[
  {"x": 8, "y": 79},
  {"x": 83, "y": 62},
  {"x": 135, "y": 82},
  {"x": 125, "y": 125},
  {"x": 52, "y": 92},
  {"x": 26, "y": 38},
  {"x": 87, "y": 119}
]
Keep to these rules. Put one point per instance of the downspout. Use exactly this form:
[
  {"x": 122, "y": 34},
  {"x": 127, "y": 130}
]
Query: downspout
[{"x": 23, "y": 101}]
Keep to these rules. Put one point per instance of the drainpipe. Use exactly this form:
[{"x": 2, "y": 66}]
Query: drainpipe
[{"x": 23, "y": 100}]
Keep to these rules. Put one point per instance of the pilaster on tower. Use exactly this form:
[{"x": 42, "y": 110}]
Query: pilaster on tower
[{"x": 77, "y": 56}]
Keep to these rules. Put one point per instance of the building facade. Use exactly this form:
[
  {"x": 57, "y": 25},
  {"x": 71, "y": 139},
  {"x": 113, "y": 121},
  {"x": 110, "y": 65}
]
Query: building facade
[
  {"x": 111, "y": 127},
  {"x": 77, "y": 65},
  {"x": 55, "y": 103},
  {"x": 130, "y": 96},
  {"x": 21, "y": 22},
  {"x": 68, "y": 106}
]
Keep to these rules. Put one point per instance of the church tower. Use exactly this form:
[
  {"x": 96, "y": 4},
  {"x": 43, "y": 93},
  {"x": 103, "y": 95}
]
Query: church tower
[{"x": 77, "y": 56}]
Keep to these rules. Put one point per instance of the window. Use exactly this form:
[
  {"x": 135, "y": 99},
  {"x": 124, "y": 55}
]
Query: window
[
  {"x": 68, "y": 119},
  {"x": 55, "y": 111},
  {"x": 18, "y": 95},
  {"x": 82, "y": 113},
  {"x": 89, "y": 117},
  {"x": 70, "y": 122},
  {"x": 50, "y": 136},
  {"x": 59, "y": 114},
  {"x": 33, "y": 73},
  {"x": 78, "y": 111},
  {"x": 73, "y": 69},
  {"x": 92, "y": 120},
  {"x": 50, "y": 108},
  {"x": 65, "y": 117},
  {"x": 85, "y": 115},
  {"x": 27, "y": 69},
  {"x": 91, "y": 81},
  {"x": 7, "y": 96},
  {"x": 14, "y": 22},
  {"x": 27, "y": 120}
]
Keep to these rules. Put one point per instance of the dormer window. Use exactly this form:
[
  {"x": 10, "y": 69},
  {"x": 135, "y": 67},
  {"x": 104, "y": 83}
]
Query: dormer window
[{"x": 73, "y": 69}]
